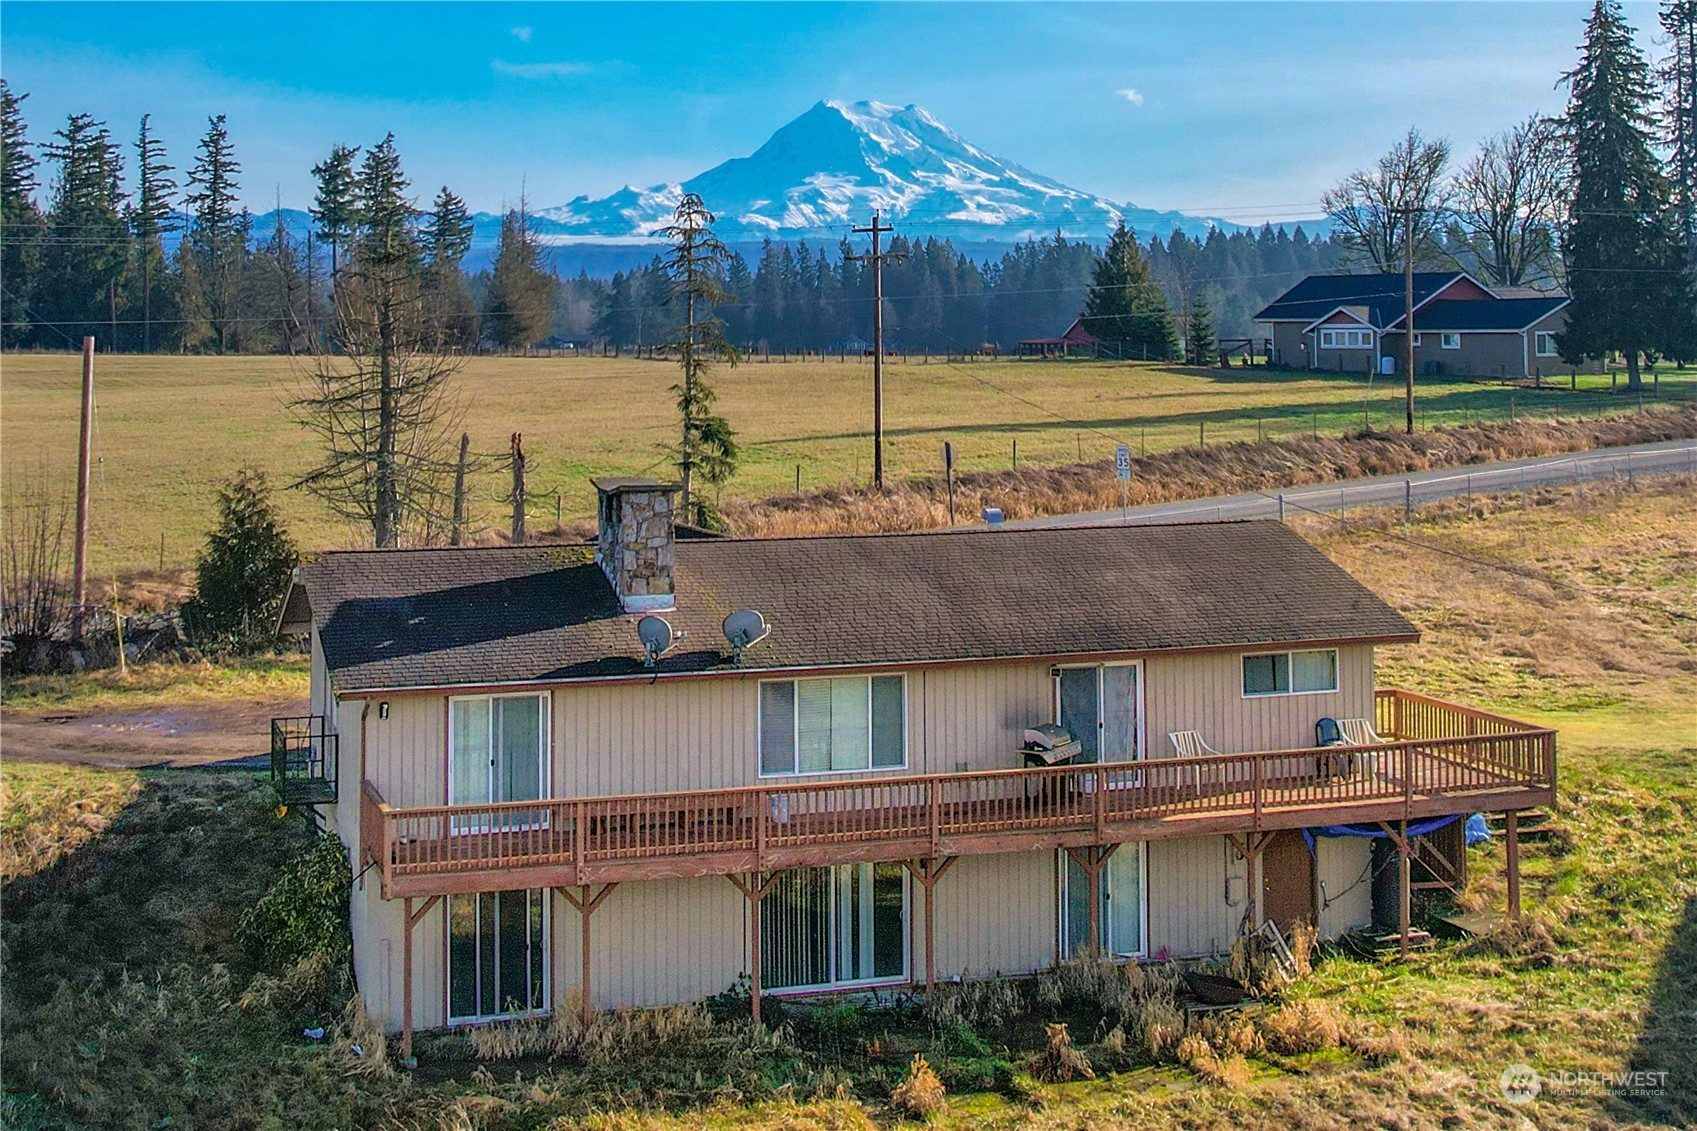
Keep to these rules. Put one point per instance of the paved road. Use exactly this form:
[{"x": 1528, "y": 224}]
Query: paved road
[{"x": 1419, "y": 487}]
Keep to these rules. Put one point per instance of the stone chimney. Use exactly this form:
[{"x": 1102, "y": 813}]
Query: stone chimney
[{"x": 636, "y": 541}]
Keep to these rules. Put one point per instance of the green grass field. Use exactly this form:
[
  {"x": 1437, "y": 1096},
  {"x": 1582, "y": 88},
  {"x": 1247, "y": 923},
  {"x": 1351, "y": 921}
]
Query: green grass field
[{"x": 168, "y": 430}]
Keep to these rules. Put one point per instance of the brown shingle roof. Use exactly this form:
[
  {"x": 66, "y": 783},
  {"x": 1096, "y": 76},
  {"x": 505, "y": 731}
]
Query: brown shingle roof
[{"x": 442, "y": 618}]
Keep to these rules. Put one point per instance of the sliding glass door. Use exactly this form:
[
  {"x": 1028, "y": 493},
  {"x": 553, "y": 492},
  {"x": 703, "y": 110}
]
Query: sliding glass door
[
  {"x": 834, "y": 926},
  {"x": 497, "y": 954},
  {"x": 1101, "y": 705},
  {"x": 497, "y": 751}
]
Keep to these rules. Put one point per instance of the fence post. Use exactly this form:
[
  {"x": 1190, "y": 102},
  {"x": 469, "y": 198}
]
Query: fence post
[
  {"x": 1407, "y": 504},
  {"x": 1281, "y": 507}
]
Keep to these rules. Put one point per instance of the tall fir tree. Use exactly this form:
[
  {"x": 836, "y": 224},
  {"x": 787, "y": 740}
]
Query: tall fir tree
[
  {"x": 20, "y": 219},
  {"x": 449, "y": 309},
  {"x": 519, "y": 308},
  {"x": 87, "y": 243},
  {"x": 152, "y": 215},
  {"x": 1126, "y": 309},
  {"x": 219, "y": 229},
  {"x": 1679, "y": 97},
  {"x": 1626, "y": 261},
  {"x": 695, "y": 269},
  {"x": 335, "y": 206}
]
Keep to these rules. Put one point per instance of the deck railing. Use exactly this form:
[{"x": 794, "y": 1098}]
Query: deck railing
[
  {"x": 1436, "y": 757},
  {"x": 303, "y": 759}
]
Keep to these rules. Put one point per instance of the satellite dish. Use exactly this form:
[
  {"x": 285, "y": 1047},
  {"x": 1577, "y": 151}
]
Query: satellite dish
[
  {"x": 656, "y": 636},
  {"x": 744, "y": 629}
]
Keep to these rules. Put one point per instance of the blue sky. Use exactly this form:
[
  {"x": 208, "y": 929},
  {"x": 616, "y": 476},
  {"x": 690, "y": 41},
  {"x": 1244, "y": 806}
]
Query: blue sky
[{"x": 1240, "y": 110}]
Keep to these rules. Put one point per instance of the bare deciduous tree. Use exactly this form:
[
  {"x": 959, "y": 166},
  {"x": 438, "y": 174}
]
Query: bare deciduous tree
[
  {"x": 35, "y": 592},
  {"x": 1508, "y": 203},
  {"x": 383, "y": 403},
  {"x": 1367, "y": 205}
]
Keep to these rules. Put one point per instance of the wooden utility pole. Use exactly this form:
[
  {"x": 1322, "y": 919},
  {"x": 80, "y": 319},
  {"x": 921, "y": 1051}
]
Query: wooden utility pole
[
  {"x": 877, "y": 258},
  {"x": 1408, "y": 215},
  {"x": 458, "y": 534},
  {"x": 79, "y": 569}
]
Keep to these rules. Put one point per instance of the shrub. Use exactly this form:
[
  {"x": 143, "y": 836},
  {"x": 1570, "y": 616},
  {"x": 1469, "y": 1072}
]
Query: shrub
[
  {"x": 922, "y": 1093},
  {"x": 1198, "y": 1055},
  {"x": 304, "y": 912},
  {"x": 991, "y": 1003},
  {"x": 1059, "y": 1062},
  {"x": 1303, "y": 1026},
  {"x": 243, "y": 574}
]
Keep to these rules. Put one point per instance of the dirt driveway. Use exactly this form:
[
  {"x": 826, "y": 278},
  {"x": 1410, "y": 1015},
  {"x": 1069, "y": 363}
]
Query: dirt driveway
[{"x": 187, "y": 735}]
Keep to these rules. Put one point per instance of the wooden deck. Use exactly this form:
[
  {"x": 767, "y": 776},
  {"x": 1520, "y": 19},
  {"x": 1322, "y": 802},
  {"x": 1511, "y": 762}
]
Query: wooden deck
[{"x": 1438, "y": 758}]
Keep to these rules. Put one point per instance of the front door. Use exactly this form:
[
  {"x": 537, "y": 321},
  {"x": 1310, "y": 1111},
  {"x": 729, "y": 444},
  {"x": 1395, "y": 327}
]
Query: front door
[
  {"x": 1287, "y": 879},
  {"x": 1098, "y": 703}
]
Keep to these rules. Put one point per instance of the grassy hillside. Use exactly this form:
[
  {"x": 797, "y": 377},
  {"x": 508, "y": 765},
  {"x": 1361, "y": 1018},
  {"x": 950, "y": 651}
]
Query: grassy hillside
[
  {"x": 170, "y": 429},
  {"x": 134, "y": 991}
]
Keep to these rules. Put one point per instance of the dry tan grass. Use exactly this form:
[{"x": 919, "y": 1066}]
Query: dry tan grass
[
  {"x": 1301, "y": 1026},
  {"x": 1059, "y": 1061},
  {"x": 922, "y": 1094},
  {"x": 1190, "y": 473},
  {"x": 49, "y": 811}
]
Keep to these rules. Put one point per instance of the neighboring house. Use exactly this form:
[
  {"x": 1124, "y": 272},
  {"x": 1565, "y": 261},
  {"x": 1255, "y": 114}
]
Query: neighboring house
[
  {"x": 534, "y": 806},
  {"x": 1354, "y": 323},
  {"x": 1076, "y": 340}
]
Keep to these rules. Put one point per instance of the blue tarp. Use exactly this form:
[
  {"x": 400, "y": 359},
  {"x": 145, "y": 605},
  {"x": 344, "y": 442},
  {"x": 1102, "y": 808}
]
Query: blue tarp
[
  {"x": 1477, "y": 831},
  {"x": 1415, "y": 828}
]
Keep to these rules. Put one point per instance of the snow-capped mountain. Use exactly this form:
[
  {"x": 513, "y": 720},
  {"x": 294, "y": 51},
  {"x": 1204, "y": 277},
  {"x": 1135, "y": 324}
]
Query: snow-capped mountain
[{"x": 832, "y": 166}]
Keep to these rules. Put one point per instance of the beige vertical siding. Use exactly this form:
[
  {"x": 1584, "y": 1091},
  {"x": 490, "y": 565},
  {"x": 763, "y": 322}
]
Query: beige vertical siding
[
  {"x": 407, "y": 755},
  {"x": 1198, "y": 891},
  {"x": 378, "y": 929},
  {"x": 975, "y": 716},
  {"x": 1204, "y": 692},
  {"x": 1346, "y": 890},
  {"x": 654, "y": 943},
  {"x": 995, "y": 914}
]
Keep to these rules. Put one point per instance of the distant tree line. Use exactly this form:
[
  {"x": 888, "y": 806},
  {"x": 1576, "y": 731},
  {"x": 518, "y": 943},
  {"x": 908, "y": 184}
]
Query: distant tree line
[{"x": 86, "y": 223}]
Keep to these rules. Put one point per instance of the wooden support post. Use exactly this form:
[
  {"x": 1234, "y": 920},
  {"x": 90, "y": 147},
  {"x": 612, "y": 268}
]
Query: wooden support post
[
  {"x": 754, "y": 890},
  {"x": 1092, "y": 860},
  {"x": 928, "y": 872},
  {"x": 1511, "y": 831},
  {"x": 1250, "y": 848},
  {"x": 411, "y": 918},
  {"x": 586, "y": 905},
  {"x": 1403, "y": 878}
]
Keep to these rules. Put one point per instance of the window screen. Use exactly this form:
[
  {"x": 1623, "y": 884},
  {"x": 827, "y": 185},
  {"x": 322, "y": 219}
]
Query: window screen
[
  {"x": 1314, "y": 671},
  {"x": 1266, "y": 675},
  {"x": 777, "y": 728}
]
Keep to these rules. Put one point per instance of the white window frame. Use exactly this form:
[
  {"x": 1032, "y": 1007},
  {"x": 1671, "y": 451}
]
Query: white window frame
[
  {"x": 547, "y": 1005},
  {"x": 1417, "y": 338},
  {"x": 795, "y": 736},
  {"x": 1289, "y": 654},
  {"x": 1541, "y": 338},
  {"x": 1338, "y": 338},
  {"x": 834, "y": 933},
  {"x": 1449, "y": 341},
  {"x": 1063, "y": 911}
]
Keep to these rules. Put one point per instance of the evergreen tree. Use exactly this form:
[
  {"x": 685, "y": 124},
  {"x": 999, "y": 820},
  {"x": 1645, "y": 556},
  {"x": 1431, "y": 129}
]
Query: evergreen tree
[
  {"x": 519, "y": 308},
  {"x": 335, "y": 207},
  {"x": 1679, "y": 85},
  {"x": 696, "y": 268},
  {"x": 1626, "y": 260},
  {"x": 1199, "y": 340},
  {"x": 1125, "y": 308},
  {"x": 87, "y": 246},
  {"x": 276, "y": 285},
  {"x": 218, "y": 234},
  {"x": 20, "y": 219},
  {"x": 449, "y": 310},
  {"x": 243, "y": 574},
  {"x": 151, "y": 217}
]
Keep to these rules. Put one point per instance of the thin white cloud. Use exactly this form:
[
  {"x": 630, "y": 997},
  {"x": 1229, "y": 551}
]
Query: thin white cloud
[
  {"x": 522, "y": 34},
  {"x": 537, "y": 71},
  {"x": 1131, "y": 95}
]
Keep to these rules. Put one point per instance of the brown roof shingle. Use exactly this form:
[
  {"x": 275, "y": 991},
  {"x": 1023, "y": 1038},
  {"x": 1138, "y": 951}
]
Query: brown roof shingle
[{"x": 459, "y": 617}]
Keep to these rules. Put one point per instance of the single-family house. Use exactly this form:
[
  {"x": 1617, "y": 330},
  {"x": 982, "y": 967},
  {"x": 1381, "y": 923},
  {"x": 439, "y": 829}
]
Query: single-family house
[
  {"x": 640, "y": 769},
  {"x": 1354, "y": 323}
]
